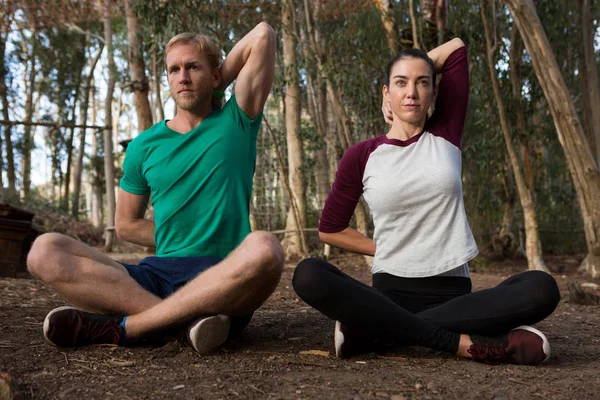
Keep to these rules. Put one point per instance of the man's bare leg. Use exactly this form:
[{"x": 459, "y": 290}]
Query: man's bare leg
[
  {"x": 236, "y": 286},
  {"x": 86, "y": 277}
]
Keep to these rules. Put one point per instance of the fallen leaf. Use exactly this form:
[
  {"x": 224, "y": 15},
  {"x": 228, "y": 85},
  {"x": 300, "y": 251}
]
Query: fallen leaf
[
  {"x": 121, "y": 363},
  {"x": 393, "y": 358},
  {"x": 316, "y": 353}
]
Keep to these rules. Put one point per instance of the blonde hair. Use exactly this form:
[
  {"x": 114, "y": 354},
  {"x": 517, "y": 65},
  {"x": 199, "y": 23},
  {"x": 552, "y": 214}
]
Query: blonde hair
[{"x": 203, "y": 43}]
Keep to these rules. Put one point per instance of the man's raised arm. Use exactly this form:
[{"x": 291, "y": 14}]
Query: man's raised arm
[{"x": 252, "y": 62}]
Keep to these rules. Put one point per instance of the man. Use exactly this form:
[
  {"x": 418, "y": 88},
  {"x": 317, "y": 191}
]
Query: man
[{"x": 210, "y": 273}]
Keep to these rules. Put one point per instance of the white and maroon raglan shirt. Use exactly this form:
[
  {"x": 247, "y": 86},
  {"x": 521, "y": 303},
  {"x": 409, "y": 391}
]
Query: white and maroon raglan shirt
[{"x": 413, "y": 188}]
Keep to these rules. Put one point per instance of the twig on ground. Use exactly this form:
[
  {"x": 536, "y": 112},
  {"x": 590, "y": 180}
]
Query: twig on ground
[
  {"x": 116, "y": 370},
  {"x": 304, "y": 364},
  {"x": 532, "y": 385},
  {"x": 518, "y": 381},
  {"x": 387, "y": 389},
  {"x": 257, "y": 389}
]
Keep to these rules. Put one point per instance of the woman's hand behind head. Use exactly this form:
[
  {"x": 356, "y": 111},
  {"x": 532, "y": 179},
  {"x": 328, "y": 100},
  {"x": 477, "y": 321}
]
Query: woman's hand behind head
[{"x": 386, "y": 109}]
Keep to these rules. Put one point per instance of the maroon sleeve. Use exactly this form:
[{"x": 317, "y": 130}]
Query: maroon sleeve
[
  {"x": 346, "y": 190},
  {"x": 448, "y": 119}
]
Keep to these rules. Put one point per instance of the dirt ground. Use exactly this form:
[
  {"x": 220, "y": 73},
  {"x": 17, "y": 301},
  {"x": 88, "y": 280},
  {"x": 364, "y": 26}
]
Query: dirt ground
[{"x": 267, "y": 361}]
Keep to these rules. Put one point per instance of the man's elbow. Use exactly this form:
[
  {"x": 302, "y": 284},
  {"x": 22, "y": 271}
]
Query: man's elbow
[
  {"x": 265, "y": 34},
  {"x": 265, "y": 30},
  {"x": 121, "y": 231}
]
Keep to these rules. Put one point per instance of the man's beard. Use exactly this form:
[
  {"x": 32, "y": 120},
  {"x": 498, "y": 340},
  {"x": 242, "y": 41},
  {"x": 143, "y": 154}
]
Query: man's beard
[{"x": 187, "y": 103}]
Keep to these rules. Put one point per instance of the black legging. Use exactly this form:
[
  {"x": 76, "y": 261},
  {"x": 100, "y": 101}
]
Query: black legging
[{"x": 431, "y": 312}]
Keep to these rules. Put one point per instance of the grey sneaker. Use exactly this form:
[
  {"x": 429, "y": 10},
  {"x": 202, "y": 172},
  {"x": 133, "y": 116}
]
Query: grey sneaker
[{"x": 206, "y": 334}]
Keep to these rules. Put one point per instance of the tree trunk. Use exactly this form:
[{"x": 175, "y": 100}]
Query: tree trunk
[
  {"x": 584, "y": 170},
  {"x": 388, "y": 18},
  {"x": 53, "y": 135},
  {"x": 68, "y": 174},
  {"x": 589, "y": 72},
  {"x": 413, "y": 24},
  {"x": 322, "y": 164},
  {"x": 432, "y": 24},
  {"x": 157, "y": 84},
  {"x": 259, "y": 183},
  {"x": 116, "y": 116},
  {"x": 64, "y": 204},
  {"x": 28, "y": 136},
  {"x": 137, "y": 71},
  {"x": 506, "y": 243},
  {"x": 292, "y": 240},
  {"x": 586, "y": 107},
  {"x": 82, "y": 133},
  {"x": 2, "y": 191},
  {"x": 321, "y": 170},
  {"x": 440, "y": 21},
  {"x": 340, "y": 111},
  {"x": 317, "y": 108},
  {"x": 95, "y": 170},
  {"x": 109, "y": 167},
  {"x": 428, "y": 10},
  {"x": 316, "y": 49},
  {"x": 515, "y": 56},
  {"x": 10, "y": 159},
  {"x": 533, "y": 247}
]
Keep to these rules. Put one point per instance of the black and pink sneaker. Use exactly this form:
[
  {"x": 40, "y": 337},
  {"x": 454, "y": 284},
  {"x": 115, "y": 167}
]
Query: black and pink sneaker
[
  {"x": 523, "y": 345},
  {"x": 70, "y": 327}
]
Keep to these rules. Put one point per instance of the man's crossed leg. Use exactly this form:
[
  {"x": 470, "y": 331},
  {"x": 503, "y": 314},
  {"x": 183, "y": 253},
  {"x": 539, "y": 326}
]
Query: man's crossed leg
[{"x": 118, "y": 309}]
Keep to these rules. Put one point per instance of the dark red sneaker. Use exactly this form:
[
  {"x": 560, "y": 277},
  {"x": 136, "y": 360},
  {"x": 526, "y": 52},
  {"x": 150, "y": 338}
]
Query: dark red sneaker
[
  {"x": 523, "y": 345},
  {"x": 69, "y": 327},
  {"x": 350, "y": 342}
]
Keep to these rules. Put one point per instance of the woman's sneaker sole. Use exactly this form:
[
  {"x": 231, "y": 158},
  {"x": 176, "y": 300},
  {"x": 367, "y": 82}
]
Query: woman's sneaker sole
[{"x": 338, "y": 340}]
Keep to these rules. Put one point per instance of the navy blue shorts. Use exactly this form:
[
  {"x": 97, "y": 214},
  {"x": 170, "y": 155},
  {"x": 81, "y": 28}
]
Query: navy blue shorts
[{"x": 163, "y": 276}]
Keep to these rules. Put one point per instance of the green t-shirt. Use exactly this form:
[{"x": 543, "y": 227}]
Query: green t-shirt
[{"x": 200, "y": 182}]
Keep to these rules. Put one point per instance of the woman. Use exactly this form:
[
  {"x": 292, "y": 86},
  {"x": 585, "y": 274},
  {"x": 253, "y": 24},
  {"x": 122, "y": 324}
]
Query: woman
[{"x": 411, "y": 179}]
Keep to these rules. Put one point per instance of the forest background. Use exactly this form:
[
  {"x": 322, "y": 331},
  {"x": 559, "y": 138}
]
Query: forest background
[{"x": 80, "y": 79}]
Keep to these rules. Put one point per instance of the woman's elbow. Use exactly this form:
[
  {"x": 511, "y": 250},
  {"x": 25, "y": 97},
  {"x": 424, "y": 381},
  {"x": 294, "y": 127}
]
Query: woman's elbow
[
  {"x": 323, "y": 237},
  {"x": 457, "y": 42}
]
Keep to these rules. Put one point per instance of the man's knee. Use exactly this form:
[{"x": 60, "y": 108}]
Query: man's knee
[
  {"x": 40, "y": 260},
  {"x": 267, "y": 254}
]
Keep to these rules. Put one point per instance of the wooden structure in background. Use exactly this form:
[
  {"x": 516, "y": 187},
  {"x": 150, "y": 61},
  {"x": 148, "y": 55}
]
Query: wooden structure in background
[{"x": 17, "y": 232}]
